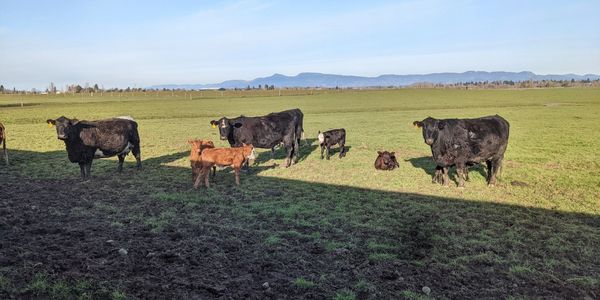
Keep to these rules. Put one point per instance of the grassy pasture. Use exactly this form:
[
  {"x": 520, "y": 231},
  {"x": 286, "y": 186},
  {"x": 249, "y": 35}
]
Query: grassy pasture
[{"x": 329, "y": 229}]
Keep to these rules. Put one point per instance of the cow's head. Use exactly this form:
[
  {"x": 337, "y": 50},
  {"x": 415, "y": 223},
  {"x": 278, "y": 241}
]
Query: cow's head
[
  {"x": 431, "y": 128},
  {"x": 225, "y": 126},
  {"x": 64, "y": 126}
]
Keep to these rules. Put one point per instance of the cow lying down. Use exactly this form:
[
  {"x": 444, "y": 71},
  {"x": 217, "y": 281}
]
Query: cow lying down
[
  {"x": 386, "y": 160},
  {"x": 223, "y": 157}
]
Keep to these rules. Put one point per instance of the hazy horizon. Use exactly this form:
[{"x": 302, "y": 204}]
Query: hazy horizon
[{"x": 140, "y": 44}]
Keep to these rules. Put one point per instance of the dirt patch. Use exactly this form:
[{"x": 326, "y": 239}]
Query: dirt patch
[{"x": 121, "y": 239}]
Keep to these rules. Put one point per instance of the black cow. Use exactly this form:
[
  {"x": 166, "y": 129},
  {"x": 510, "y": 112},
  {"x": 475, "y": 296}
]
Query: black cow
[
  {"x": 330, "y": 138},
  {"x": 386, "y": 161},
  {"x": 265, "y": 131},
  {"x": 463, "y": 142},
  {"x": 87, "y": 140}
]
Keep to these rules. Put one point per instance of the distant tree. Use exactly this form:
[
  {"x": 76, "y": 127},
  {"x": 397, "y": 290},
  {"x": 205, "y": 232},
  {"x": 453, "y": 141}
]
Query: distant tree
[
  {"x": 248, "y": 87},
  {"x": 260, "y": 87},
  {"x": 1, "y": 89},
  {"x": 96, "y": 88},
  {"x": 78, "y": 89}
]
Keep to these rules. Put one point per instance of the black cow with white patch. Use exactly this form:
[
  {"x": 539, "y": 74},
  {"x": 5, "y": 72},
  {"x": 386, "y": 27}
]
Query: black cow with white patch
[
  {"x": 330, "y": 138},
  {"x": 463, "y": 142},
  {"x": 87, "y": 140},
  {"x": 265, "y": 131}
]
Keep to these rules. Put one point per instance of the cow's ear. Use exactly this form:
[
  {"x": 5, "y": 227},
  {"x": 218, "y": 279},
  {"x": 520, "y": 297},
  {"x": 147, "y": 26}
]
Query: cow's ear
[
  {"x": 392, "y": 153},
  {"x": 237, "y": 125},
  {"x": 418, "y": 124},
  {"x": 51, "y": 122},
  {"x": 213, "y": 124},
  {"x": 190, "y": 141},
  {"x": 74, "y": 122},
  {"x": 379, "y": 153},
  {"x": 441, "y": 125}
]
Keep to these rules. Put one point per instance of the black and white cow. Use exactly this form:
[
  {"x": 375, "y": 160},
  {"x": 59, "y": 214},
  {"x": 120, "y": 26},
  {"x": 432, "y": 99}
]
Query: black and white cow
[
  {"x": 87, "y": 140},
  {"x": 330, "y": 138},
  {"x": 463, "y": 142},
  {"x": 265, "y": 131}
]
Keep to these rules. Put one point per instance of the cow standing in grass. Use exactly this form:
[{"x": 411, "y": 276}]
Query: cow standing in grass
[
  {"x": 461, "y": 142},
  {"x": 3, "y": 142},
  {"x": 197, "y": 147},
  {"x": 223, "y": 157},
  {"x": 330, "y": 138},
  {"x": 87, "y": 140},
  {"x": 265, "y": 131}
]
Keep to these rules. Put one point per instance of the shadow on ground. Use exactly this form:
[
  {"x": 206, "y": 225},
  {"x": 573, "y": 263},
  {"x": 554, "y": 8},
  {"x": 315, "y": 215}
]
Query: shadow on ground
[
  {"x": 275, "y": 238},
  {"x": 428, "y": 165}
]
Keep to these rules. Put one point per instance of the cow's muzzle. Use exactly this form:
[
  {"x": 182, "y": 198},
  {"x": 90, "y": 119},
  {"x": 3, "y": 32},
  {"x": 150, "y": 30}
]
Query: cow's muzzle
[
  {"x": 429, "y": 142},
  {"x": 223, "y": 138},
  {"x": 62, "y": 137}
]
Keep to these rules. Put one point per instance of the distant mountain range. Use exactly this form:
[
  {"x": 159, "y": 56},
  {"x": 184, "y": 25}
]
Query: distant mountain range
[{"x": 333, "y": 80}]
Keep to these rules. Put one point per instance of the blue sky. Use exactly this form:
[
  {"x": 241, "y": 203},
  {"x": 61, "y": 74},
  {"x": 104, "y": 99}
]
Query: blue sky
[{"x": 141, "y": 43}]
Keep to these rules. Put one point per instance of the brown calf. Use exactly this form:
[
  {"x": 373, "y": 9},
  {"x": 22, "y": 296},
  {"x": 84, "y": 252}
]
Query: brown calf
[
  {"x": 197, "y": 147},
  {"x": 234, "y": 157},
  {"x": 3, "y": 142}
]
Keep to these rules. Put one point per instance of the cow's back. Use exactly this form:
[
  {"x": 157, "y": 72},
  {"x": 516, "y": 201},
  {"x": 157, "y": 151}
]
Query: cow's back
[{"x": 109, "y": 134}]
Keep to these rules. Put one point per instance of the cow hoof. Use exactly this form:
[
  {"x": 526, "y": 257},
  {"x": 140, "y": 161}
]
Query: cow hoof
[
  {"x": 492, "y": 185},
  {"x": 462, "y": 187}
]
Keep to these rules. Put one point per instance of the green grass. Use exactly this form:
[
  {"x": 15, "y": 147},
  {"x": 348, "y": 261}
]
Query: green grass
[
  {"x": 542, "y": 230},
  {"x": 303, "y": 283}
]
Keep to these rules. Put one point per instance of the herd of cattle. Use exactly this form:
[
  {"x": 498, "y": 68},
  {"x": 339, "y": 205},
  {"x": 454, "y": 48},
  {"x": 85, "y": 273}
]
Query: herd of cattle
[{"x": 454, "y": 142}]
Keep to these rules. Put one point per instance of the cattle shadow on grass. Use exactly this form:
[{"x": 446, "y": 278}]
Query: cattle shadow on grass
[
  {"x": 426, "y": 163},
  {"x": 279, "y": 230},
  {"x": 307, "y": 147}
]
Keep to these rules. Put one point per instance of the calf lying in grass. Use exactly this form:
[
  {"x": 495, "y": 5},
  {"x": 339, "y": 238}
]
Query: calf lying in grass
[
  {"x": 234, "y": 157},
  {"x": 386, "y": 161},
  {"x": 197, "y": 147}
]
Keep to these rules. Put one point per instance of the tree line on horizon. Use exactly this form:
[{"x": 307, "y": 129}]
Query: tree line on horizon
[{"x": 77, "y": 88}]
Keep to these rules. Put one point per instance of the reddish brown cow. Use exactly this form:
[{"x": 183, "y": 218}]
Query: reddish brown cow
[
  {"x": 234, "y": 157},
  {"x": 3, "y": 142},
  {"x": 197, "y": 147}
]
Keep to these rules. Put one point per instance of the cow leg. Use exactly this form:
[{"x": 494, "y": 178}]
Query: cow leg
[
  {"x": 437, "y": 175},
  {"x": 289, "y": 148},
  {"x": 460, "y": 170},
  {"x": 445, "y": 178},
  {"x": 205, "y": 174},
  {"x": 138, "y": 155},
  {"x": 82, "y": 169},
  {"x": 496, "y": 166},
  {"x": 237, "y": 175},
  {"x": 466, "y": 172},
  {"x": 489, "y": 171},
  {"x": 198, "y": 178},
  {"x": 342, "y": 150},
  {"x": 88, "y": 170},
  {"x": 327, "y": 149},
  {"x": 273, "y": 153},
  {"x": 4, "y": 150},
  {"x": 214, "y": 171},
  {"x": 322, "y": 150},
  {"x": 121, "y": 160},
  {"x": 296, "y": 150}
]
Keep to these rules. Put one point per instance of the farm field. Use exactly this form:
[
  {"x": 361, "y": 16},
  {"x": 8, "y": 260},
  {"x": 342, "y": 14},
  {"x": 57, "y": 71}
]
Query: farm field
[{"x": 320, "y": 229}]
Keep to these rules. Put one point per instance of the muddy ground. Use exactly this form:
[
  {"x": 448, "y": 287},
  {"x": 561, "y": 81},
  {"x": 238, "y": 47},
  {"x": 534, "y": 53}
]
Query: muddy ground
[{"x": 72, "y": 232}]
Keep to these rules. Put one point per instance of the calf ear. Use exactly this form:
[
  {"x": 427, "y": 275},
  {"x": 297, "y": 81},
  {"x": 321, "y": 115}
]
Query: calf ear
[
  {"x": 392, "y": 153},
  {"x": 213, "y": 124},
  {"x": 379, "y": 153},
  {"x": 418, "y": 124},
  {"x": 190, "y": 141},
  {"x": 237, "y": 125},
  {"x": 51, "y": 122}
]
